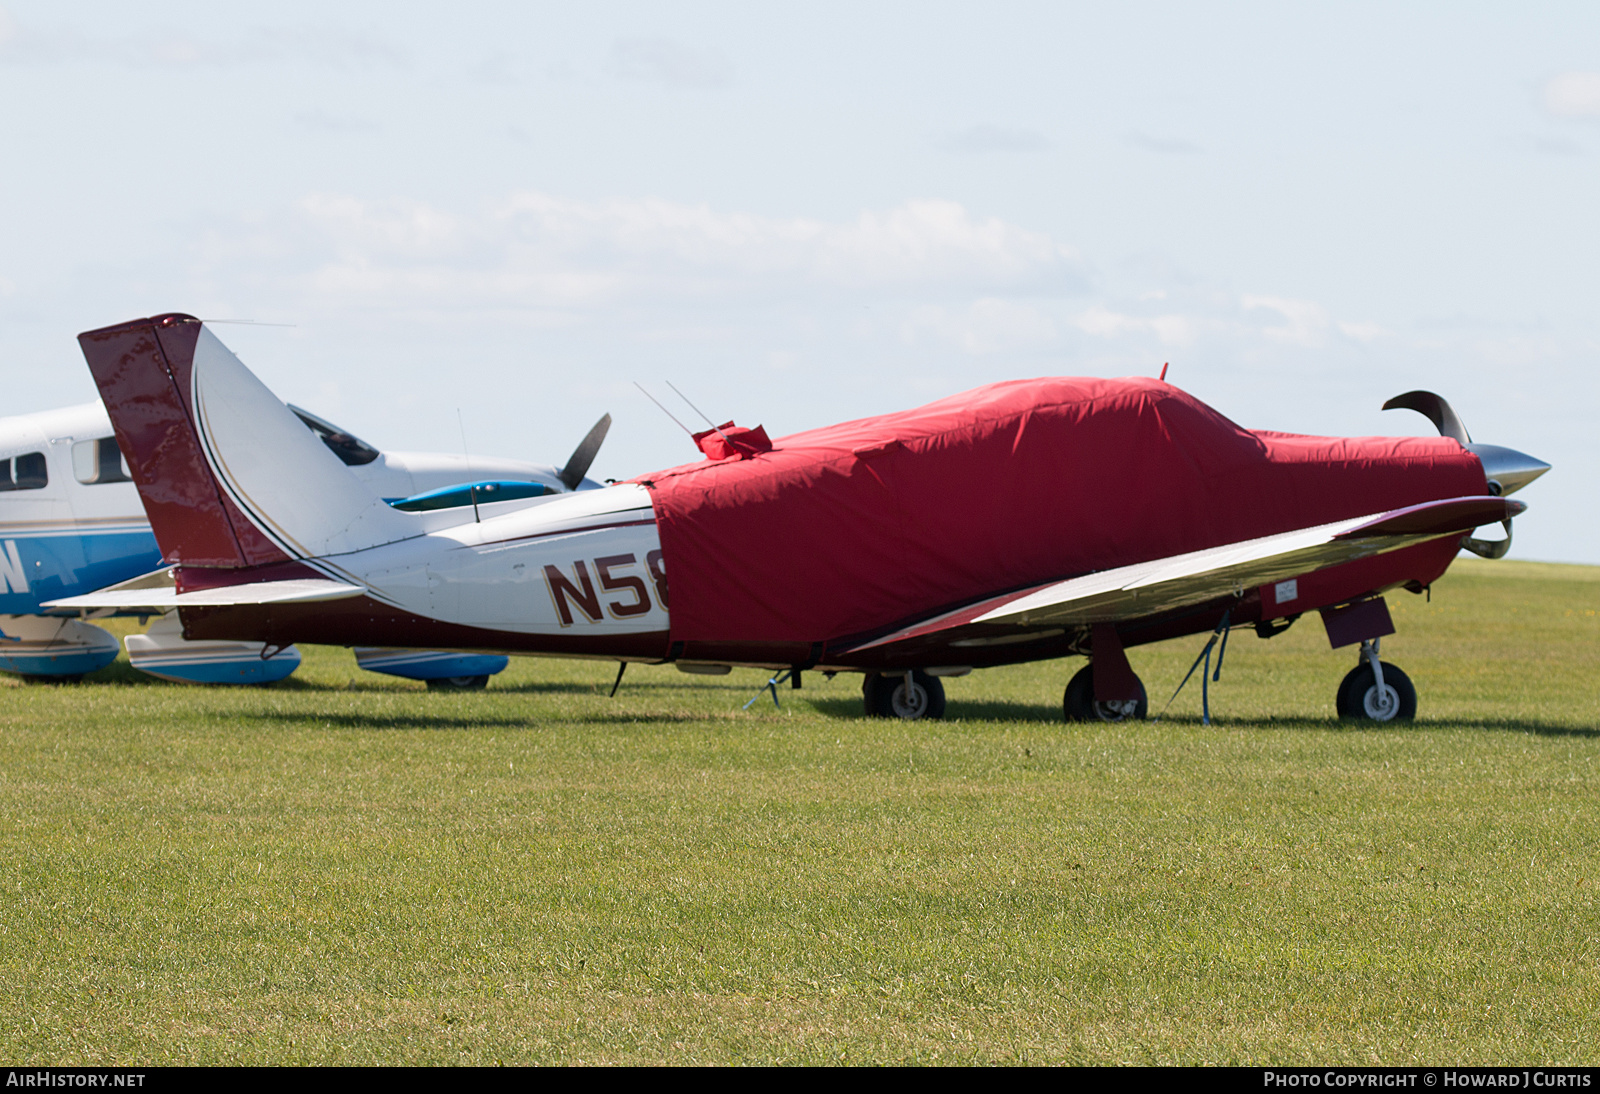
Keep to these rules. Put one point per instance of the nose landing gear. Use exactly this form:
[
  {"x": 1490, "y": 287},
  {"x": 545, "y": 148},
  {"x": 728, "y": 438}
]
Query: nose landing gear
[{"x": 1376, "y": 691}]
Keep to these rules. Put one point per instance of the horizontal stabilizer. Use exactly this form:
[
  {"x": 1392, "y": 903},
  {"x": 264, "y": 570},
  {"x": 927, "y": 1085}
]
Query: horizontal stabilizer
[{"x": 156, "y": 599}]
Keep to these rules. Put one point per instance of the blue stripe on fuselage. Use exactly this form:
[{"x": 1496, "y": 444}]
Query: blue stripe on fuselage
[{"x": 55, "y": 566}]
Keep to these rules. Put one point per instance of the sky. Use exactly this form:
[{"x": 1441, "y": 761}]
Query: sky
[{"x": 494, "y": 220}]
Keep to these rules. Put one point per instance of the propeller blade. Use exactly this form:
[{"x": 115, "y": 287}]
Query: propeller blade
[
  {"x": 1506, "y": 469},
  {"x": 1436, "y": 410},
  {"x": 1489, "y": 548},
  {"x": 578, "y": 466}
]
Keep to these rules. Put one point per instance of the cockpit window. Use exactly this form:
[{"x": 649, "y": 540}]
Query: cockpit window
[
  {"x": 99, "y": 461},
  {"x": 25, "y": 472},
  {"x": 348, "y": 447}
]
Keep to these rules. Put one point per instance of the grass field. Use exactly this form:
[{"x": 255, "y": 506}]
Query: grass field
[{"x": 339, "y": 869}]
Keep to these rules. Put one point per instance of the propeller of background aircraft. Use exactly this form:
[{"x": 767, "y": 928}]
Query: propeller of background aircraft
[{"x": 578, "y": 466}]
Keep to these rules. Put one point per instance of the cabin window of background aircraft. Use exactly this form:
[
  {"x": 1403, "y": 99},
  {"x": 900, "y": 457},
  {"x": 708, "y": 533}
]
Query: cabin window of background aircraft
[
  {"x": 25, "y": 472},
  {"x": 351, "y": 449},
  {"x": 99, "y": 461}
]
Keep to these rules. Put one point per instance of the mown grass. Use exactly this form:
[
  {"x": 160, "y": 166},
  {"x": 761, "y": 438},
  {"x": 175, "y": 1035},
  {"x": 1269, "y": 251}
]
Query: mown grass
[{"x": 339, "y": 869}]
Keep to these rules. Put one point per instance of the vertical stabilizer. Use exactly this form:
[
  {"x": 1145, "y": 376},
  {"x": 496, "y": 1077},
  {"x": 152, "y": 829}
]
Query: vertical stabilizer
[
  {"x": 229, "y": 476},
  {"x": 142, "y": 369}
]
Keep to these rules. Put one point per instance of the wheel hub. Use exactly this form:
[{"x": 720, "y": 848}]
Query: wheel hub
[
  {"x": 911, "y": 705},
  {"x": 1116, "y": 710},
  {"x": 1381, "y": 704}
]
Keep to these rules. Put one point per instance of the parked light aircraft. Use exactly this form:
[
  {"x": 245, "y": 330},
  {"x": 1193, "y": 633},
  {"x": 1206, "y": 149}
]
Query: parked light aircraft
[
  {"x": 71, "y": 522},
  {"x": 1017, "y": 522}
]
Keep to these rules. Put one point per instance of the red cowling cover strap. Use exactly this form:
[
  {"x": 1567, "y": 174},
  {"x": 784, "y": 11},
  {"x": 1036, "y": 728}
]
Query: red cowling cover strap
[{"x": 848, "y": 529}]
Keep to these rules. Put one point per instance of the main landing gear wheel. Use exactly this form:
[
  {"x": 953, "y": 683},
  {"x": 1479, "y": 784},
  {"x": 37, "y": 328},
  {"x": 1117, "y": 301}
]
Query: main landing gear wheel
[
  {"x": 1081, "y": 706},
  {"x": 886, "y": 696},
  {"x": 458, "y": 683},
  {"x": 1360, "y": 699}
]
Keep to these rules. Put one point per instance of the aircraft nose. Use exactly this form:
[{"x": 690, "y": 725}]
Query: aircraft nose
[{"x": 1507, "y": 469}]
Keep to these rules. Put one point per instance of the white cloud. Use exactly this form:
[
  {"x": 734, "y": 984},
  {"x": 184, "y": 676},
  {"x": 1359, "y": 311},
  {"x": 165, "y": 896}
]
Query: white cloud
[
  {"x": 1219, "y": 319},
  {"x": 670, "y": 64},
  {"x": 1363, "y": 332},
  {"x": 1305, "y": 323},
  {"x": 1169, "y": 329},
  {"x": 922, "y": 289},
  {"x": 537, "y": 251},
  {"x": 986, "y": 326},
  {"x": 1573, "y": 95},
  {"x": 926, "y": 277}
]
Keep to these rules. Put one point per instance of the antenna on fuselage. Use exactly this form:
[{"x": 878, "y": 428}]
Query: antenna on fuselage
[
  {"x": 472, "y": 491},
  {"x": 702, "y": 414},
  {"x": 663, "y": 409}
]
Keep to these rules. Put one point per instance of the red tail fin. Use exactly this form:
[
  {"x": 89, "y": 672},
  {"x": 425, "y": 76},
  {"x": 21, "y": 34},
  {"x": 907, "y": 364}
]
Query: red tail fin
[{"x": 143, "y": 371}]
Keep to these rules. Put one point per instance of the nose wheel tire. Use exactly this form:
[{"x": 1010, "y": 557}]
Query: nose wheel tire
[
  {"x": 1081, "y": 705},
  {"x": 886, "y": 696},
  {"x": 1360, "y": 700},
  {"x": 458, "y": 683}
]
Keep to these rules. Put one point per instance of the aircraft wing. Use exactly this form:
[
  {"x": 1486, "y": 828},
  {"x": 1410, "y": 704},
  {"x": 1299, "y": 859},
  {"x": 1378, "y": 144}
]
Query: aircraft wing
[
  {"x": 155, "y": 593},
  {"x": 1165, "y": 584}
]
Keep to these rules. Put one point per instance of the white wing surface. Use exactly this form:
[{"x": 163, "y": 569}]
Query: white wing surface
[{"x": 1161, "y": 585}]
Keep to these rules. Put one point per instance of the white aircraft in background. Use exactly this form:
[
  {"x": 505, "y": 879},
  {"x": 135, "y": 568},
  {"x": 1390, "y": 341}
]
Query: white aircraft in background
[{"x": 71, "y": 522}]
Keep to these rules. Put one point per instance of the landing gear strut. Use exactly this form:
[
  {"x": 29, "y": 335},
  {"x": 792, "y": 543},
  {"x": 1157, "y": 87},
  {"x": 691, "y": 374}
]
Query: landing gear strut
[
  {"x": 1081, "y": 706},
  {"x": 907, "y": 695},
  {"x": 1376, "y": 691}
]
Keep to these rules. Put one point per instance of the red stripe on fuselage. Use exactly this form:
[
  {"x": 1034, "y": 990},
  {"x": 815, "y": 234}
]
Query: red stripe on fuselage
[{"x": 363, "y": 621}]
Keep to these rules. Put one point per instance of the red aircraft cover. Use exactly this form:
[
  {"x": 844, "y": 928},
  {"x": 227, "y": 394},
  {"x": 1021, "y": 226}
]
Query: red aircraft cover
[{"x": 842, "y": 530}]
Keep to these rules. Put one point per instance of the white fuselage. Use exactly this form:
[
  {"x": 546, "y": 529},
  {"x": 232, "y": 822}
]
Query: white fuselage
[{"x": 583, "y": 563}]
